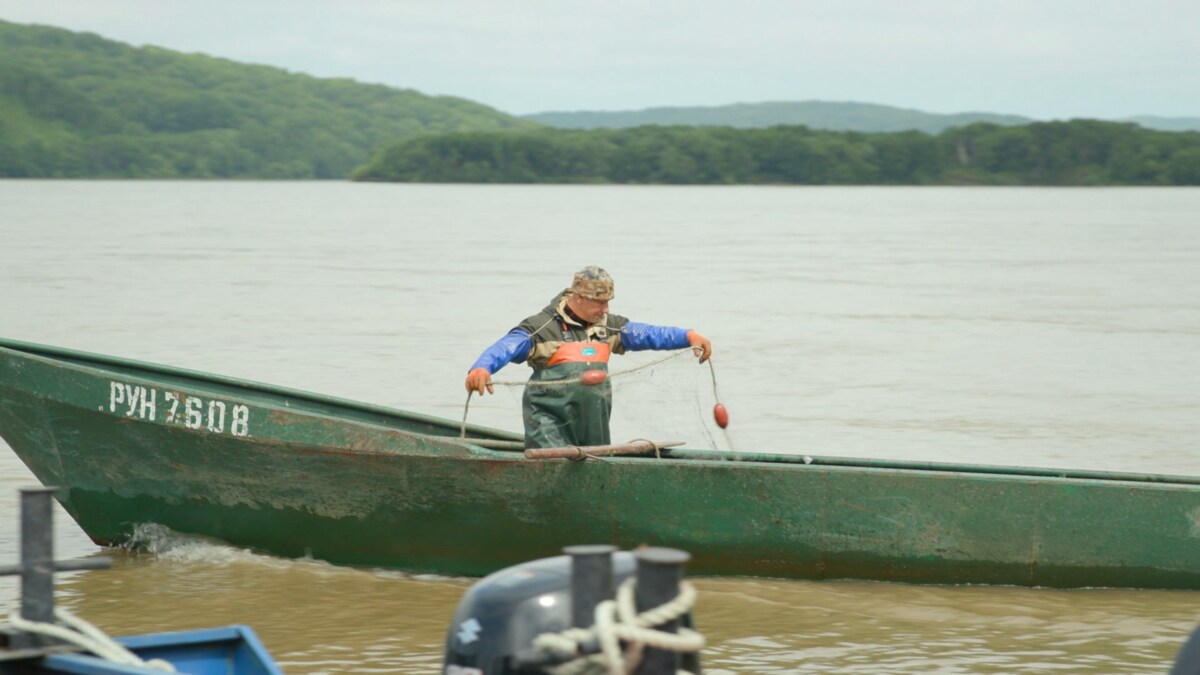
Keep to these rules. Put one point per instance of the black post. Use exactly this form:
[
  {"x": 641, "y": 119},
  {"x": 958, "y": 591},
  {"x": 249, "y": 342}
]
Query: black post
[
  {"x": 37, "y": 554},
  {"x": 37, "y": 568},
  {"x": 591, "y": 581},
  {"x": 659, "y": 572}
]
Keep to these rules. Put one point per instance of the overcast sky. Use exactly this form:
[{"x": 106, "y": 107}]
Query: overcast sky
[{"x": 1040, "y": 58}]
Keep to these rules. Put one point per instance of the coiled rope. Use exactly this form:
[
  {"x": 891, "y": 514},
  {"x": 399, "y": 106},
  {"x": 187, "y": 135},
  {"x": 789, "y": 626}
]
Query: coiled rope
[
  {"x": 83, "y": 634},
  {"x": 618, "y": 620}
]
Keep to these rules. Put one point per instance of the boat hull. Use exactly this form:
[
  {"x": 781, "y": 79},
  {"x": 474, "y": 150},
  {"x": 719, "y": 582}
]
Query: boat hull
[{"x": 305, "y": 475}]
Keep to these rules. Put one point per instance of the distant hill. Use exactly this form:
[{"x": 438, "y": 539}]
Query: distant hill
[
  {"x": 78, "y": 105},
  {"x": 833, "y": 116},
  {"x": 1166, "y": 123},
  {"x": 827, "y": 115}
]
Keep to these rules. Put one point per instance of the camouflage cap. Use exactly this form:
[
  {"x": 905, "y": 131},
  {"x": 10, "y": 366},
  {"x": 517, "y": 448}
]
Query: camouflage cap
[{"x": 592, "y": 283}]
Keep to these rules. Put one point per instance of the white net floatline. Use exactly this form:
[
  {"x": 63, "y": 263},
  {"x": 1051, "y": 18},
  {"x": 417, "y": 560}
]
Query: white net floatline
[{"x": 660, "y": 396}]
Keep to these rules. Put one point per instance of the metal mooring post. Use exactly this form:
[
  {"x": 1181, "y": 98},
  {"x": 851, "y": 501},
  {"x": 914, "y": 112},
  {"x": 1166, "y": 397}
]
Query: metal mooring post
[
  {"x": 591, "y": 581},
  {"x": 659, "y": 572},
  {"x": 37, "y": 554},
  {"x": 37, "y": 566}
]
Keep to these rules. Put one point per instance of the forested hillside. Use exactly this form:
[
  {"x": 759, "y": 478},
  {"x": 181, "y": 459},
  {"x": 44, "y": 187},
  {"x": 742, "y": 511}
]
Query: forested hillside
[
  {"x": 829, "y": 115},
  {"x": 78, "y": 105},
  {"x": 1079, "y": 152}
]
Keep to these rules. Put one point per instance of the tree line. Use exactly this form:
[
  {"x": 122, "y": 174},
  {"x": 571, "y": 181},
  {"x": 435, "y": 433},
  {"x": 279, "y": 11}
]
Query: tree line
[{"x": 1076, "y": 152}]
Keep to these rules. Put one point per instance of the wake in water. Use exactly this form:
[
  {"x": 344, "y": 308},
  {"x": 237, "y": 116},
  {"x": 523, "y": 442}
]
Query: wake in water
[{"x": 166, "y": 545}]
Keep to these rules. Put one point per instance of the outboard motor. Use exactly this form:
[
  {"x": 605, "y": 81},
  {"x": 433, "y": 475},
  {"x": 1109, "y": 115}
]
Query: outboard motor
[{"x": 494, "y": 627}]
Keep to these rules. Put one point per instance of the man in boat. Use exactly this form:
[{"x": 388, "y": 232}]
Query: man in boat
[{"x": 565, "y": 403}]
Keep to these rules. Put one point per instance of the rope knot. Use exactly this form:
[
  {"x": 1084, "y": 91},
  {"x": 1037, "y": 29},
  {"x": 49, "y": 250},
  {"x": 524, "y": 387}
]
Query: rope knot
[
  {"x": 652, "y": 444},
  {"x": 617, "y": 621}
]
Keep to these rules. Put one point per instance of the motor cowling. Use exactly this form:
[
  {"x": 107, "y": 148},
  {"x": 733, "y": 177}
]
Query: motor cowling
[{"x": 499, "y": 617}]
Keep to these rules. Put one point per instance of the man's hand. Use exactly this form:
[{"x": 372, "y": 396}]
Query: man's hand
[
  {"x": 700, "y": 345},
  {"x": 478, "y": 379}
]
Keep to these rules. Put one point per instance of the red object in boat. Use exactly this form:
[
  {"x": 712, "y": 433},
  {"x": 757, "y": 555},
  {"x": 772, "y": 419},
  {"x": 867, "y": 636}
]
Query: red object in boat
[
  {"x": 721, "y": 415},
  {"x": 593, "y": 377}
]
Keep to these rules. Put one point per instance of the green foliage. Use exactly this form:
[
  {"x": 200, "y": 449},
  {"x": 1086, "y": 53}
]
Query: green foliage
[
  {"x": 78, "y": 105},
  {"x": 1183, "y": 167},
  {"x": 1078, "y": 152}
]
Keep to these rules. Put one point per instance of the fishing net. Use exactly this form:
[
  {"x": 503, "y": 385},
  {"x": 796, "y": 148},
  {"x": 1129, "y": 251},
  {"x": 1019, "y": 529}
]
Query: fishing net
[
  {"x": 664, "y": 400},
  {"x": 656, "y": 396}
]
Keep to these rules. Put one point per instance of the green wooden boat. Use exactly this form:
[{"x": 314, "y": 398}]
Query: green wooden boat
[{"x": 300, "y": 474}]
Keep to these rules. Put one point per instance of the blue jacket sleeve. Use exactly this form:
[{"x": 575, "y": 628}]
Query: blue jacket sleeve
[
  {"x": 638, "y": 336},
  {"x": 512, "y": 347}
]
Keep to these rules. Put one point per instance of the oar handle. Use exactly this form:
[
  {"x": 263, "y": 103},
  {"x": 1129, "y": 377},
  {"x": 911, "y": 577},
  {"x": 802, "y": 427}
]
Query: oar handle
[{"x": 585, "y": 451}]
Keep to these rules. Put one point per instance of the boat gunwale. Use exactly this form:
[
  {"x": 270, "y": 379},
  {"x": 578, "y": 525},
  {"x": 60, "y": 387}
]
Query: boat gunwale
[
  {"x": 55, "y": 354},
  {"x": 923, "y": 467}
]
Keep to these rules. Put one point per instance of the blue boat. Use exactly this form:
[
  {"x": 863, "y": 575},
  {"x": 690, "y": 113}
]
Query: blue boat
[
  {"x": 40, "y": 639},
  {"x": 231, "y": 650}
]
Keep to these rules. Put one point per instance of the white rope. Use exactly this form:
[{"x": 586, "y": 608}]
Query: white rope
[
  {"x": 618, "y": 620},
  {"x": 83, "y": 634}
]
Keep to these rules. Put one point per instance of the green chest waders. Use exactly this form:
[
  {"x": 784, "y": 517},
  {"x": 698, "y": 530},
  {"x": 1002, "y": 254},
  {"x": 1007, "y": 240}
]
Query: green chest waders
[{"x": 568, "y": 413}]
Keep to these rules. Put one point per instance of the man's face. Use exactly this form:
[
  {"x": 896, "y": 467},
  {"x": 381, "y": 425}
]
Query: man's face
[{"x": 590, "y": 311}]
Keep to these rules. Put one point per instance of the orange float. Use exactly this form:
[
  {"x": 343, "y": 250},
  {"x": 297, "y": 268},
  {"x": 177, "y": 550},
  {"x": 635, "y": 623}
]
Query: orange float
[
  {"x": 721, "y": 415},
  {"x": 593, "y": 377}
]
